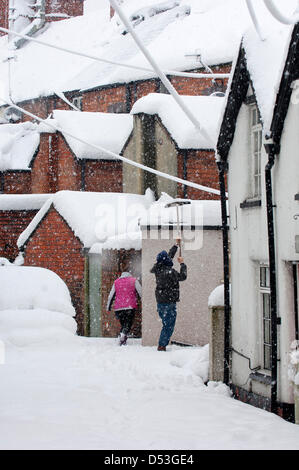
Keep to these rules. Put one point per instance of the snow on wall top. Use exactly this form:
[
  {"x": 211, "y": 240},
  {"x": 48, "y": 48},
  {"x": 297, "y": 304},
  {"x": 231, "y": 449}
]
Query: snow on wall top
[
  {"x": 92, "y": 216},
  {"x": 213, "y": 28},
  {"x": 27, "y": 287},
  {"x": 207, "y": 109},
  {"x": 106, "y": 130},
  {"x": 216, "y": 297},
  {"x": 198, "y": 213},
  {"x": 18, "y": 143},
  {"x": 15, "y": 202}
]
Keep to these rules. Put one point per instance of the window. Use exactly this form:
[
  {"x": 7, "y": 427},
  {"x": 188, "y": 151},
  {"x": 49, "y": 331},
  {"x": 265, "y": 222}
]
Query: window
[
  {"x": 256, "y": 147},
  {"x": 117, "y": 108},
  {"x": 77, "y": 102},
  {"x": 266, "y": 315}
]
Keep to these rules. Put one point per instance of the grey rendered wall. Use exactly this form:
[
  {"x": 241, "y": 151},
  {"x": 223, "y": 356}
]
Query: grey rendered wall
[
  {"x": 205, "y": 272},
  {"x": 166, "y": 161},
  {"x": 132, "y": 176}
]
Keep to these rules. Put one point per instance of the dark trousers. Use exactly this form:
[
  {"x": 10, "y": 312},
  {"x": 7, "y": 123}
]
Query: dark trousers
[
  {"x": 126, "y": 318},
  {"x": 167, "y": 313}
]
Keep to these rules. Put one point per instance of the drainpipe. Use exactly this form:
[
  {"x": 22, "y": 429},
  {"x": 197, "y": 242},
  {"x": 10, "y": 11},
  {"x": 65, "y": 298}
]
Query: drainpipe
[
  {"x": 272, "y": 150},
  {"x": 222, "y": 169},
  {"x": 295, "y": 283},
  {"x": 37, "y": 24},
  {"x": 185, "y": 172}
]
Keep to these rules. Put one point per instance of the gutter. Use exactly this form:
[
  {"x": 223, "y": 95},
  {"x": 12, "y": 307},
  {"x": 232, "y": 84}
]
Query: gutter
[
  {"x": 272, "y": 150},
  {"x": 222, "y": 169}
]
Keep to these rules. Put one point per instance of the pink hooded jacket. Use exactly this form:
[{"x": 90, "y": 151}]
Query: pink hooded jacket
[{"x": 124, "y": 290}]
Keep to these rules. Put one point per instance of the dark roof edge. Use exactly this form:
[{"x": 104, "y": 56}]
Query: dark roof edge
[
  {"x": 237, "y": 94},
  {"x": 289, "y": 74}
]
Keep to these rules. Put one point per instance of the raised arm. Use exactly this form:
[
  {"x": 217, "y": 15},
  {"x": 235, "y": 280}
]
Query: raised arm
[
  {"x": 182, "y": 275},
  {"x": 172, "y": 251}
]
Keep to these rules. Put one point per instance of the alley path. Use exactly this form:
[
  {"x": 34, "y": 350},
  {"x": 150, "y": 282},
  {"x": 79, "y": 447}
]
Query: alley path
[{"x": 92, "y": 394}]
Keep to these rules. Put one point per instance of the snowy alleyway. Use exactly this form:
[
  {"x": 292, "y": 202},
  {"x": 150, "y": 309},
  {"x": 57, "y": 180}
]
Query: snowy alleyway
[{"x": 86, "y": 393}]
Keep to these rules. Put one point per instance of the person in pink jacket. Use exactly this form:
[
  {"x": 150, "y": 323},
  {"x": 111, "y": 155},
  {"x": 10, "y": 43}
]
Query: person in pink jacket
[{"x": 124, "y": 294}]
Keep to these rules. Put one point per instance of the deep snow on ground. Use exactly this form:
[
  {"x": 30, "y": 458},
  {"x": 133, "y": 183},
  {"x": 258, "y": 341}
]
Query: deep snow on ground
[{"x": 89, "y": 393}]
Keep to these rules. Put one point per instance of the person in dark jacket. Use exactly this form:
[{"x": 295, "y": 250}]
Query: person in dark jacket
[{"x": 168, "y": 291}]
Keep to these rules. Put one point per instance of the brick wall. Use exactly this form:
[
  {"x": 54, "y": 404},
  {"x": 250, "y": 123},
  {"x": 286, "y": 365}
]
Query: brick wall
[
  {"x": 55, "y": 168},
  {"x": 68, "y": 168},
  {"x": 54, "y": 246},
  {"x": 40, "y": 179},
  {"x": 197, "y": 86},
  {"x": 42, "y": 107},
  {"x": 4, "y": 15},
  {"x": 108, "y": 97},
  {"x": 16, "y": 181},
  {"x": 69, "y": 7},
  {"x": 103, "y": 176},
  {"x": 202, "y": 169},
  {"x": 114, "y": 262},
  {"x": 12, "y": 224},
  {"x": 105, "y": 99}
]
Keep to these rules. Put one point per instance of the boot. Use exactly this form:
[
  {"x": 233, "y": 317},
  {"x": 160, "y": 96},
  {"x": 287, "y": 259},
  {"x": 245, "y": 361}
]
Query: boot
[
  {"x": 123, "y": 339},
  {"x": 161, "y": 348}
]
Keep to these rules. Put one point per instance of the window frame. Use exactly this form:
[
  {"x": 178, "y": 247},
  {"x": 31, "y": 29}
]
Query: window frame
[
  {"x": 77, "y": 102},
  {"x": 265, "y": 309},
  {"x": 256, "y": 137}
]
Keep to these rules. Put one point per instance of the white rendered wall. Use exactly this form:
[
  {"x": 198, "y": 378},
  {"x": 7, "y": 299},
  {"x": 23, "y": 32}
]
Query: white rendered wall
[
  {"x": 248, "y": 234},
  {"x": 286, "y": 185},
  {"x": 249, "y": 247}
]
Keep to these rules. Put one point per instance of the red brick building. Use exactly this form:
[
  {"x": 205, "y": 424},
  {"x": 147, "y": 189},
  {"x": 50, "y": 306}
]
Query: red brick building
[
  {"x": 163, "y": 138},
  {"x": 16, "y": 213}
]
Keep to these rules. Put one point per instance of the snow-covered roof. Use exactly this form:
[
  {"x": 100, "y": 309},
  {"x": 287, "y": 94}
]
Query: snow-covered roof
[
  {"x": 18, "y": 144},
  {"x": 15, "y": 202},
  {"x": 92, "y": 216},
  {"x": 107, "y": 130},
  {"x": 27, "y": 287},
  {"x": 207, "y": 110},
  {"x": 272, "y": 51},
  {"x": 212, "y": 29},
  {"x": 124, "y": 241},
  {"x": 199, "y": 213}
]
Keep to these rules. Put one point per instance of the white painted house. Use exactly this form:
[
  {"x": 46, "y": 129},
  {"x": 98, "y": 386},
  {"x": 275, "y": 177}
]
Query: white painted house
[{"x": 258, "y": 148}]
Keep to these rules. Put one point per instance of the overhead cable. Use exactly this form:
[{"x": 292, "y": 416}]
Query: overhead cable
[
  {"x": 279, "y": 16},
  {"x": 159, "y": 72},
  {"x": 254, "y": 19},
  {"x": 56, "y": 128},
  {"x": 120, "y": 64}
]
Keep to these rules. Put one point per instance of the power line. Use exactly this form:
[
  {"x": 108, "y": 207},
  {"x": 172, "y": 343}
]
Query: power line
[
  {"x": 254, "y": 19},
  {"x": 279, "y": 16},
  {"x": 274, "y": 12},
  {"x": 114, "y": 155},
  {"x": 159, "y": 72},
  {"x": 120, "y": 64}
]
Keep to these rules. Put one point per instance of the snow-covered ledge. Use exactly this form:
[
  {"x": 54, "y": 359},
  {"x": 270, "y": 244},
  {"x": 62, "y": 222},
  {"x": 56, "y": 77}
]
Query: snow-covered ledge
[{"x": 216, "y": 308}]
